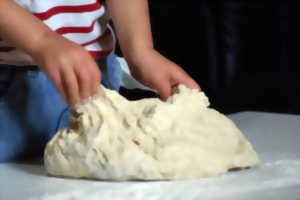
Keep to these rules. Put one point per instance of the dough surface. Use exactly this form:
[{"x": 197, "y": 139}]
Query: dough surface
[{"x": 112, "y": 138}]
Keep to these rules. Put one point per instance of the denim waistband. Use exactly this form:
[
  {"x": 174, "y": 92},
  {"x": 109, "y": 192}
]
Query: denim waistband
[{"x": 4, "y": 67}]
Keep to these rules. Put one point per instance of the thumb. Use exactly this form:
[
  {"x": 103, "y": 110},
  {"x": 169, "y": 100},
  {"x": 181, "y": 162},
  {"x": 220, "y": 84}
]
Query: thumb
[{"x": 164, "y": 89}]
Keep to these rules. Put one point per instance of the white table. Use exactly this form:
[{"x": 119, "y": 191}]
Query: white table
[{"x": 275, "y": 137}]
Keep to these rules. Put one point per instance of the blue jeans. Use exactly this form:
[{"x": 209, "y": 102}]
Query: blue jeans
[{"x": 31, "y": 110}]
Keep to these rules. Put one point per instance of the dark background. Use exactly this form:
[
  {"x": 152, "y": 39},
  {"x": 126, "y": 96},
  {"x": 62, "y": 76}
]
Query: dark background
[{"x": 244, "y": 54}]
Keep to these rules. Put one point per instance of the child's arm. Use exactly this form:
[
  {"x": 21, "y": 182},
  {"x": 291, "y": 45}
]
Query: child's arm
[
  {"x": 72, "y": 69},
  {"x": 131, "y": 20}
]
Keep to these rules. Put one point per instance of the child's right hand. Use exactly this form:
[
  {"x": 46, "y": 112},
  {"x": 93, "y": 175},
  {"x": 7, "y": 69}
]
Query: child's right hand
[{"x": 71, "y": 68}]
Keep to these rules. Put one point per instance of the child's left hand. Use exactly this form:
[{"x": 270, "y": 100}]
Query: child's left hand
[{"x": 157, "y": 72}]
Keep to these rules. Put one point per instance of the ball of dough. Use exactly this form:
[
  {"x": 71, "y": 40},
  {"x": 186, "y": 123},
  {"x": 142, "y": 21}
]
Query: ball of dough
[{"x": 112, "y": 138}]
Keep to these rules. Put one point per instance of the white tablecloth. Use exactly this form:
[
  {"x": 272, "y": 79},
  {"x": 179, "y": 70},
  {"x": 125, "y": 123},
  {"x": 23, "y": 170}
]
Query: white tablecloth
[{"x": 276, "y": 138}]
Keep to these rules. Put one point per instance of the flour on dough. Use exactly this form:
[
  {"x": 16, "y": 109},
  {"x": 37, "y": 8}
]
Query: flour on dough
[{"x": 116, "y": 139}]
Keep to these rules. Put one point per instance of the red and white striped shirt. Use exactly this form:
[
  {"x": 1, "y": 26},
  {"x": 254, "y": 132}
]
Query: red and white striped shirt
[{"x": 84, "y": 22}]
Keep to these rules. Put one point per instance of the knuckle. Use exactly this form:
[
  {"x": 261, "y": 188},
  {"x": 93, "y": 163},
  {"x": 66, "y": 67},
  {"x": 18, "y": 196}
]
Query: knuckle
[{"x": 84, "y": 78}]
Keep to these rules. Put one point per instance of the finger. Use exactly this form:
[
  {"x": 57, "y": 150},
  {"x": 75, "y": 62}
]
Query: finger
[
  {"x": 70, "y": 86},
  {"x": 96, "y": 77},
  {"x": 186, "y": 80},
  {"x": 182, "y": 77},
  {"x": 59, "y": 85},
  {"x": 84, "y": 82},
  {"x": 190, "y": 83},
  {"x": 56, "y": 79},
  {"x": 164, "y": 89}
]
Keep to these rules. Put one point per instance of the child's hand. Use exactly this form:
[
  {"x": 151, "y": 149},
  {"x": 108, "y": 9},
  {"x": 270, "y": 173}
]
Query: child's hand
[
  {"x": 69, "y": 66},
  {"x": 159, "y": 73}
]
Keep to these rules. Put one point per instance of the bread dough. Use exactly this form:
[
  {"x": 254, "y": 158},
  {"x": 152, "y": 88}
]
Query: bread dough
[{"x": 116, "y": 139}]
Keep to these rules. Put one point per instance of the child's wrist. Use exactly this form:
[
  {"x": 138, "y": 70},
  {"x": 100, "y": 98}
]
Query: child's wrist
[
  {"x": 40, "y": 44},
  {"x": 137, "y": 55}
]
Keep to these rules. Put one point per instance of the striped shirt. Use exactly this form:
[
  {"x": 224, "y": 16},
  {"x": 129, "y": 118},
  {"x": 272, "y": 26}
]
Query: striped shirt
[{"x": 84, "y": 22}]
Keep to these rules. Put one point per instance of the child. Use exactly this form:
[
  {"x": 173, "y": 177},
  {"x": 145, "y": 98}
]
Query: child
[{"x": 67, "y": 40}]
